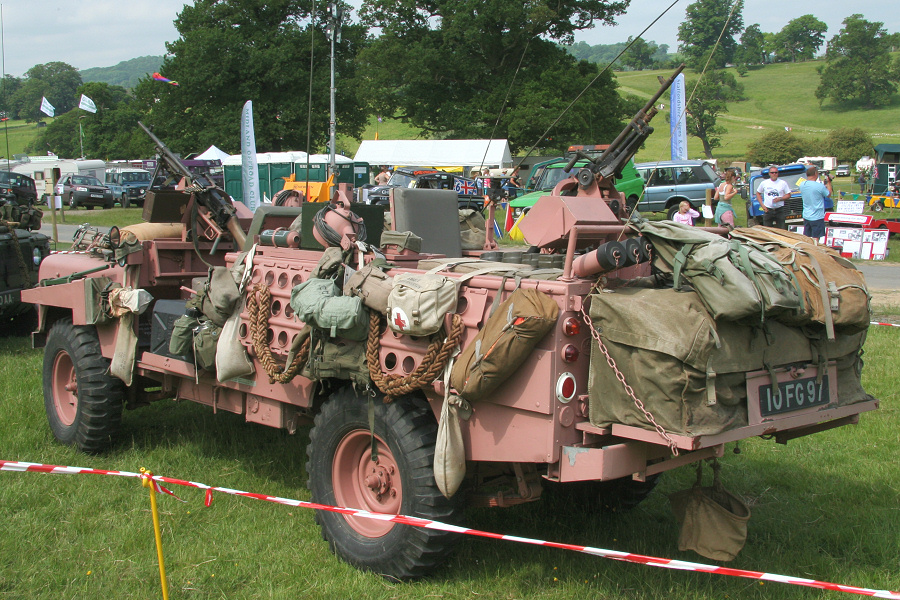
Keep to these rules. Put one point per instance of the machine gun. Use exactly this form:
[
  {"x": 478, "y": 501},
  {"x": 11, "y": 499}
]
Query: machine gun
[
  {"x": 213, "y": 199},
  {"x": 605, "y": 168}
]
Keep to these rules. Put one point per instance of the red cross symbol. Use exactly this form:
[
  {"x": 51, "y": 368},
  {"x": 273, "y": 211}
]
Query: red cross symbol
[{"x": 399, "y": 322}]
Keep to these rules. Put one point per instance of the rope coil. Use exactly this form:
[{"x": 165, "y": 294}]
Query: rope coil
[{"x": 259, "y": 305}]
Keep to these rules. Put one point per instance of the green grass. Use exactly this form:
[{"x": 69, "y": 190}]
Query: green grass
[
  {"x": 778, "y": 96},
  {"x": 103, "y": 218},
  {"x": 19, "y": 134},
  {"x": 824, "y": 507}
]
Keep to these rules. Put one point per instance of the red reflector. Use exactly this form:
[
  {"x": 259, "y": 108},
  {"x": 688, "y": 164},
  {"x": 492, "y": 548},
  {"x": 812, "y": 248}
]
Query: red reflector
[
  {"x": 568, "y": 387},
  {"x": 571, "y": 326},
  {"x": 570, "y": 353}
]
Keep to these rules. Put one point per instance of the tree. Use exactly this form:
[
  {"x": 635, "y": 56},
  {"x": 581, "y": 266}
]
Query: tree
[
  {"x": 57, "y": 81},
  {"x": 707, "y": 98},
  {"x": 704, "y": 21},
  {"x": 473, "y": 68},
  {"x": 8, "y": 86},
  {"x": 848, "y": 144},
  {"x": 640, "y": 55},
  {"x": 231, "y": 51},
  {"x": 107, "y": 134},
  {"x": 801, "y": 38},
  {"x": 858, "y": 67},
  {"x": 752, "y": 50},
  {"x": 776, "y": 147}
]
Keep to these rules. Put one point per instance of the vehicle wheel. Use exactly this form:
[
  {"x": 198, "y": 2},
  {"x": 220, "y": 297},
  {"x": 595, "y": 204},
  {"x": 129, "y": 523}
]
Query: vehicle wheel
[
  {"x": 878, "y": 206},
  {"x": 83, "y": 402},
  {"x": 341, "y": 473},
  {"x": 670, "y": 213},
  {"x": 109, "y": 203},
  {"x": 125, "y": 201},
  {"x": 631, "y": 203}
]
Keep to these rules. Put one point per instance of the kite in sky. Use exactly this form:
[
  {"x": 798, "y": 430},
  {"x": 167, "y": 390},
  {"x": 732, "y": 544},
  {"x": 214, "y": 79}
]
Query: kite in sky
[{"x": 159, "y": 77}]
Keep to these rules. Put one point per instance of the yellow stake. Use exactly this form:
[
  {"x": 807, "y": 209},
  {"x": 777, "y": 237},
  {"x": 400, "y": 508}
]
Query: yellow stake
[{"x": 147, "y": 482}]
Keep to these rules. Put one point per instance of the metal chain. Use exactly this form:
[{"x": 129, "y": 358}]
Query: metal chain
[{"x": 628, "y": 389}]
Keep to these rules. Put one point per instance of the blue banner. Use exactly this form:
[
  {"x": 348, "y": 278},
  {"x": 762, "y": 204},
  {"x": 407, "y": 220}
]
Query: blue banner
[{"x": 678, "y": 119}]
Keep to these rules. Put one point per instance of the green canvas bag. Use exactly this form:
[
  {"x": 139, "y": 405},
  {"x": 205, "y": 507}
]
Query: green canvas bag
[{"x": 318, "y": 302}]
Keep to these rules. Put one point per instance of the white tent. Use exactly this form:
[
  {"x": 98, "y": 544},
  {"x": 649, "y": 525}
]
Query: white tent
[
  {"x": 435, "y": 153},
  {"x": 212, "y": 153}
]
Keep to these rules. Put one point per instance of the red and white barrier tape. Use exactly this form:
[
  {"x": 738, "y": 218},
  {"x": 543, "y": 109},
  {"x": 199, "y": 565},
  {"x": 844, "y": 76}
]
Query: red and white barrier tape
[
  {"x": 888, "y": 324},
  {"x": 651, "y": 561}
]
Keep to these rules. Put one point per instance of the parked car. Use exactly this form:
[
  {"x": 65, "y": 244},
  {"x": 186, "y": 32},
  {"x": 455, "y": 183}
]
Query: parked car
[
  {"x": 128, "y": 186},
  {"x": 545, "y": 175},
  {"x": 469, "y": 193},
  {"x": 18, "y": 188},
  {"x": 842, "y": 171},
  {"x": 669, "y": 182},
  {"x": 791, "y": 174},
  {"x": 84, "y": 190}
]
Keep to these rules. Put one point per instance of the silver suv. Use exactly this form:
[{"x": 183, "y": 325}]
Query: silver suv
[{"x": 668, "y": 182}]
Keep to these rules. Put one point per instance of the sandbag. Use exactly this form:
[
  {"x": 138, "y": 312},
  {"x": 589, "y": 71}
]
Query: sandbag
[
  {"x": 232, "y": 359},
  {"x": 506, "y": 340},
  {"x": 834, "y": 291},
  {"x": 449, "y": 448}
]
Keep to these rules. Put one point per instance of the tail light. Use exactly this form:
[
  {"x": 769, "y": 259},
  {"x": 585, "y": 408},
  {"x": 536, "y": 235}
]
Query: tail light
[
  {"x": 570, "y": 353},
  {"x": 571, "y": 326}
]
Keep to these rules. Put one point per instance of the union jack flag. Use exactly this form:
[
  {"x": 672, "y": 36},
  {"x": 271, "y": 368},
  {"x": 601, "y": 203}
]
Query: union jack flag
[{"x": 465, "y": 187}]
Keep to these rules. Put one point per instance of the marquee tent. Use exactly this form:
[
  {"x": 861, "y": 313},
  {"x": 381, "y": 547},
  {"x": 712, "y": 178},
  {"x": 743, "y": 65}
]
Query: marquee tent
[{"x": 435, "y": 153}]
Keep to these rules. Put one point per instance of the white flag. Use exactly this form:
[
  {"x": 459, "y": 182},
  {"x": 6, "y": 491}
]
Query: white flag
[
  {"x": 87, "y": 104},
  {"x": 47, "y": 108},
  {"x": 249, "y": 172}
]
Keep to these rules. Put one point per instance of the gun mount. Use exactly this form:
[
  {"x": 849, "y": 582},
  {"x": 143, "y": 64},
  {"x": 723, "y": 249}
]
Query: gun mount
[
  {"x": 221, "y": 215},
  {"x": 604, "y": 169}
]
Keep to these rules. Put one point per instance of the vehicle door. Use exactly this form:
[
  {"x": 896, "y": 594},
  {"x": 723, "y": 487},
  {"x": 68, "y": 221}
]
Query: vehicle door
[{"x": 660, "y": 185}]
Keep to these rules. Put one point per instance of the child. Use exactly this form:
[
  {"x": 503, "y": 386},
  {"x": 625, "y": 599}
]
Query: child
[
  {"x": 685, "y": 213},
  {"x": 724, "y": 193}
]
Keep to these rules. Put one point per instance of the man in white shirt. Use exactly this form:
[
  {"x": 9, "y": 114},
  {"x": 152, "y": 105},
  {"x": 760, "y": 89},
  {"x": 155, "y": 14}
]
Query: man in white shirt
[{"x": 771, "y": 194}]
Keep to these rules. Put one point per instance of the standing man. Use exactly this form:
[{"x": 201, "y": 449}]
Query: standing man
[
  {"x": 814, "y": 193},
  {"x": 771, "y": 194},
  {"x": 383, "y": 177}
]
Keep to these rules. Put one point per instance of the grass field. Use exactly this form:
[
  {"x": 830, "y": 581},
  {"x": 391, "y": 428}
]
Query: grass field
[{"x": 824, "y": 507}]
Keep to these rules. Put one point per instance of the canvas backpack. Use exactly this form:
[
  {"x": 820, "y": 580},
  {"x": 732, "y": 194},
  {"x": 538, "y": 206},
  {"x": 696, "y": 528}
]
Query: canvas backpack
[
  {"x": 734, "y": 279},
  {"x": 505, "y": 341},
  {"x": 834, "y": 291}
]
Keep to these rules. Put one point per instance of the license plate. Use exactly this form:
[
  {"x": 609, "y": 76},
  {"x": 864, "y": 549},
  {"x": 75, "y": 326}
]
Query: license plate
[
  {"x": 793, "y": 395},
  {"x": 10, "y": 297},
  {"x": 96, "y": 195}
]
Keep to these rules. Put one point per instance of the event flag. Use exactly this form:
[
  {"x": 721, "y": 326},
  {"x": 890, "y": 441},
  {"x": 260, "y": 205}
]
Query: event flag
[
  {"x": 47, "y": 108},
  {"x": 678, "y": 119},
  {"x": 87, "y": 104},
  {"x": 249, "y": 172}
]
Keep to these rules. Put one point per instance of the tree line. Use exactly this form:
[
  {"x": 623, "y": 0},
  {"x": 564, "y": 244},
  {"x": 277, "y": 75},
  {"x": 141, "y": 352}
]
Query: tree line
[{"x": 451, "y": 68}]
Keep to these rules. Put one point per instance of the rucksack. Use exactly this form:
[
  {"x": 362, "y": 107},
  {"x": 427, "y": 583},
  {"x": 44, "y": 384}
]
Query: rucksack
[
  {"x": 834, "y": 291},
  {"x": 734, "y": 279}
]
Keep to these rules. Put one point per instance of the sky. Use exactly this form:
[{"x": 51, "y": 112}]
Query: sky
[{"x": 102, "y": 33}]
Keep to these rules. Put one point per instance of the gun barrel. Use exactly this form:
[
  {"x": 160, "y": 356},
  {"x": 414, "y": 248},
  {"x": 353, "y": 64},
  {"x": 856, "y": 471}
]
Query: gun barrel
[{"x": 170, "y": 157}]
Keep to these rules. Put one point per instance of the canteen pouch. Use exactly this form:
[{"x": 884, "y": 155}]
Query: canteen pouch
[
  {"x": 372, "y": 285},
  {"x": 506, "y": 340},
  {"x": 713, "y": 520},
  {"x": 182, "y": 341},
  {"x": 338, "y": 359},
  {"x": 206, "y": 339}
]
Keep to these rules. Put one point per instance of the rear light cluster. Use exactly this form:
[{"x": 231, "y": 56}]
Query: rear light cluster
[{"x": 565, "y": 387}]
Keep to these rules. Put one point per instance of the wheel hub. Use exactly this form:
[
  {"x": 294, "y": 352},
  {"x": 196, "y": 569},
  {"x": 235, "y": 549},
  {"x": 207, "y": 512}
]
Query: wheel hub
[{"x": 379, "y": 480}]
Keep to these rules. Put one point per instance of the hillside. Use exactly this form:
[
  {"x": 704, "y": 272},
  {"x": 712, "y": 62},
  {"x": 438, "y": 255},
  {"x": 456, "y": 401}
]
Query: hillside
[
  {"x": 778, "y": 96},
  {"x": 126, "y": 74}
]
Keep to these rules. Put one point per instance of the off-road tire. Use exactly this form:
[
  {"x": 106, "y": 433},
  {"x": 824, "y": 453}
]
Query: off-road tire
[
  {"x": 630, "y": 204},
  {"x": 406, "y": 431},
  {"x": 125, "y": 201},
  {"x": 88, "y": 415}
]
